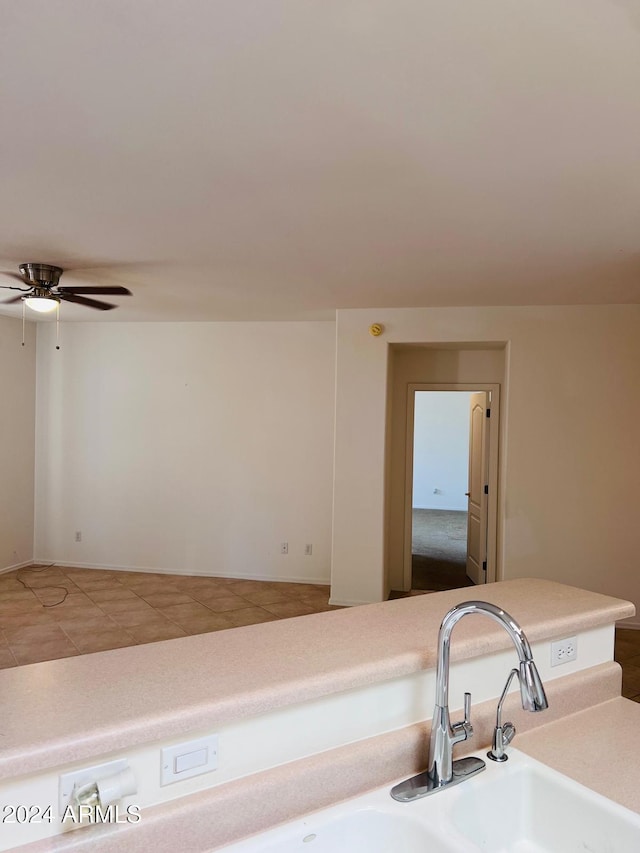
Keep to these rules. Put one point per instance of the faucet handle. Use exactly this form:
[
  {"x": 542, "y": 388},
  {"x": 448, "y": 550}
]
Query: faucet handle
[
  {"x": 467, "y": 709},
  {"x": 464, "y": 730},
  {"x": 508, "y": 733},
  {"x": 468, "y": 728}
]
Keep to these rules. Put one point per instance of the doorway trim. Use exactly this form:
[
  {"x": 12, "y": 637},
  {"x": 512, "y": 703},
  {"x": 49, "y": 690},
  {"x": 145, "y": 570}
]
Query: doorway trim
[{"x": 494, "y": 447}]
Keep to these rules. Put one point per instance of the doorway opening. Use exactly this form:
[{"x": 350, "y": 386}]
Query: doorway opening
[
  {"x": 439, "y": 507},
  {"x": 451, "y": 486}
]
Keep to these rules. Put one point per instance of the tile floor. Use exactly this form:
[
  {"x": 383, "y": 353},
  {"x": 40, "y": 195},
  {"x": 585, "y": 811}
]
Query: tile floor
[
  {"x": 66, "y": 612},
  {"x": 54, "y": 612}
]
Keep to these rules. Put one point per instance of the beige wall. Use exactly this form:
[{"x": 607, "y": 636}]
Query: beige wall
[
  {"x": 17, "y": 443},
  {"x": 188, "y": 447},
  {"x": 571, "y": 455},
  {"x": 412, "y": 364},
  {"x": 130, "y": 413}
]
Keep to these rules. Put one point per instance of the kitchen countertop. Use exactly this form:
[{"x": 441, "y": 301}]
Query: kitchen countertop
[{"x": 111, "y": 700}]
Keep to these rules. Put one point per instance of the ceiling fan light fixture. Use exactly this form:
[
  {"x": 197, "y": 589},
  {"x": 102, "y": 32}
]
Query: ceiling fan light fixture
[
  {"x": 41, "y": 304},
  {"x": 41, "y": 292}
]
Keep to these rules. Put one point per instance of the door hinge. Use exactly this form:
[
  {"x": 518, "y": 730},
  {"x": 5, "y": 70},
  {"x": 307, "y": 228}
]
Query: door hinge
[
  {"x": 484, "y": 565},
  {"x": 488, "y": 413},
  {"x": 486, "y": 490}
]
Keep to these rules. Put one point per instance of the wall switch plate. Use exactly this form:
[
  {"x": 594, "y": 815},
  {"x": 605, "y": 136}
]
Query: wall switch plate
[
  {"x": 564, "y": 651},
  {"x": 191, "y": 758},
  {"x": 284, "y": 547},
  {"x": 308, "y": 550}
]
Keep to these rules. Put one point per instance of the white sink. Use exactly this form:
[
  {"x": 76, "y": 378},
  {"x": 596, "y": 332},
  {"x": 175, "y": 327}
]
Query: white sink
[
  {"x": 521, "y": 806},
  {"x": 532, "y": 808},
  {"x": 374, "y": 831},
  {"x": 370, "y": 829}
]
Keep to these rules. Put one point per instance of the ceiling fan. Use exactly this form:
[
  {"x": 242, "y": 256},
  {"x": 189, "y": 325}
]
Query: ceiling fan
[{"x": 41, "y": 291}]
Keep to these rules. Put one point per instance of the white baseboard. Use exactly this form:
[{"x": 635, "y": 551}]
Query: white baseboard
[
  {"x": 344, "y": 602},
  {"x": 169, "y": 571},
  {"x": 16, "y": 566}
]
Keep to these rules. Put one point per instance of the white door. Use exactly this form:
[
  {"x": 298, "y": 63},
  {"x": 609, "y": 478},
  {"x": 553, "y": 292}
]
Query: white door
[{"x": 478, "y": 487}]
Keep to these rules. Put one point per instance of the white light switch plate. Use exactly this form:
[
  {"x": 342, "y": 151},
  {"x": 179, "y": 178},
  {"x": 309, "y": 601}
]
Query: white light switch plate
[{"x": 191, "y": 758}]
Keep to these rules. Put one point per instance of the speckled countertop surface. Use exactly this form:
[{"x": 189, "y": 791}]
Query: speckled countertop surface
[
  {"x": 66, "y": 710},
  {"x": 597, "y": 747}
]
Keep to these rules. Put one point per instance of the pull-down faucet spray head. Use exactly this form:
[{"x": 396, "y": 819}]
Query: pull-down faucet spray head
[{"x": 531, "y": 689}]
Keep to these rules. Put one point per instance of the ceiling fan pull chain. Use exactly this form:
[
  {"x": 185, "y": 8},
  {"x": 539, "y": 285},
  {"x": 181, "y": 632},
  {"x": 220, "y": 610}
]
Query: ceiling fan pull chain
[
  {"x": 58, "y": 326},
  {"x": 23, "y": 310}
]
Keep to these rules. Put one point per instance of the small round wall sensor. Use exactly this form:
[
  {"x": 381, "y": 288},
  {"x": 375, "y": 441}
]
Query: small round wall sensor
[{"x": 376, "y": 329}]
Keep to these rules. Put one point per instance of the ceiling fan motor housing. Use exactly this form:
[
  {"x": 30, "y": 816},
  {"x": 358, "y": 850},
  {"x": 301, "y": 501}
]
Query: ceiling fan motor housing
[{"x": 41, "y": 274}]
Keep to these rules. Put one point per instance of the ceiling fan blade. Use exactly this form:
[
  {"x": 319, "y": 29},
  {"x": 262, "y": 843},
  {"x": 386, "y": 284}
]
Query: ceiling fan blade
[
  {"x": 13, "y": 299},
  {"x": 89, "y": 303},
  {"x": 107, "y": 289}
]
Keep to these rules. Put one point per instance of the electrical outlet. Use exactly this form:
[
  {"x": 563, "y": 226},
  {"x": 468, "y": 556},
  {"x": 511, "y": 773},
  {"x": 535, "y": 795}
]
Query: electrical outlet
[
  {"x": 78, "y": 535},
  {"x": 284, "y": 547},
  {"x": 67, "y": 781},
  {"x": 308, "y": 550},
  {"x": 563, "y": 651}
]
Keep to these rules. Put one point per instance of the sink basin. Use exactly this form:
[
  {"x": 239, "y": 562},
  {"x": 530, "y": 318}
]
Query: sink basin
[
  {"x": 532, "y": 808},
  {"x": 520, "y": 806},
  {"x": 370, "y": 829}
]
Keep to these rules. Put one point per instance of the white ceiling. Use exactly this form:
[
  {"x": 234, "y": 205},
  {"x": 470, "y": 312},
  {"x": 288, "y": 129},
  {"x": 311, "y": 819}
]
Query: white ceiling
[{"x": 277, "y": 159}]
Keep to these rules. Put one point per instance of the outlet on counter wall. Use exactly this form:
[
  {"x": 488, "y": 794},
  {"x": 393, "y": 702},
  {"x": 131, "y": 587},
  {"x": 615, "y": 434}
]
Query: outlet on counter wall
[{"x": 564, "y": 651}]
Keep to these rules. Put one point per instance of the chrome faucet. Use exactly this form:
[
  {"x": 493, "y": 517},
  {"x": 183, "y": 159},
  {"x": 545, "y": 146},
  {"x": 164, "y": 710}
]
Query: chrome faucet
[{"x": 442, "y": 770}]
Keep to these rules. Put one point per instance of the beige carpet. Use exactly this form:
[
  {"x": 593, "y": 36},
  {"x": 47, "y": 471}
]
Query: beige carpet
[{"x": 439, "y": 549}]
